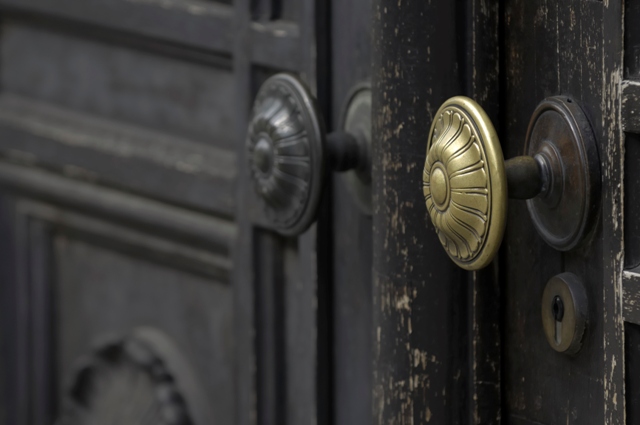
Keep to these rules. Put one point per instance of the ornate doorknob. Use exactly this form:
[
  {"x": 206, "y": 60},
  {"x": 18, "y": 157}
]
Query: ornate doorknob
[
  {"x": 466, "y": 181},
  {"x": 289, "y": 150}
]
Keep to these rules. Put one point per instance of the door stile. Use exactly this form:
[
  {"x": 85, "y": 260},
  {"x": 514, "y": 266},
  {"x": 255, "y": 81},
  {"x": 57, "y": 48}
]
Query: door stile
[
  {"x": 420, "y": 309},
  {"x": 293, "y": 271},
  {"x": 483, "y": 71},
  {"x": 242, "y": 252},
  {"x": 572, "y": 49},
  {"x": 612, "y": 157}
]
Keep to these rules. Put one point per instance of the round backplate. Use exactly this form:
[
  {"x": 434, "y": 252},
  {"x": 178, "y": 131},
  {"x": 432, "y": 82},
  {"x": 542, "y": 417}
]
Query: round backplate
[
  {"x": 560, "y": 136},
  {"x": 357, "y": 121},
  {"x": 286, "y": 153}
]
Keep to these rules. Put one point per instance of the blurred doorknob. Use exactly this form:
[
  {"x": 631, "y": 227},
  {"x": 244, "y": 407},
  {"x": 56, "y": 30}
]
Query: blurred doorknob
[{"x": 289, "y": 150}]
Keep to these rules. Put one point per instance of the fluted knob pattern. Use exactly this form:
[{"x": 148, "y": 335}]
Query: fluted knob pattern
[
  {"x": 285, "y": 145},
  {"x": 464, "y": 183}
]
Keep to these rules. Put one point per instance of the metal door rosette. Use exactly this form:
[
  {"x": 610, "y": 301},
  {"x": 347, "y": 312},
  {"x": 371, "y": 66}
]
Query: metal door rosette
[{"x": 139, "y": 378}]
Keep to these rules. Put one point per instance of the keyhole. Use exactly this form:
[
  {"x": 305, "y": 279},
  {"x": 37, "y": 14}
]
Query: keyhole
[{"x": 557, "y": 308}]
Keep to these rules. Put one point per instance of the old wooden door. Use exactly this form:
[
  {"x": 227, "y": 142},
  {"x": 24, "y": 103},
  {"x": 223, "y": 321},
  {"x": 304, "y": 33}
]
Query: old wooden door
[
  {"x": 140, "y": 278},
  {"x": 456, "y": 347}
]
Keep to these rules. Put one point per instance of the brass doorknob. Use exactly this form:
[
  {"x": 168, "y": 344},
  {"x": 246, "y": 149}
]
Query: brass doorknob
[
  {"x": 466, "y": 181},
  {"x": 289, "y": 150}
]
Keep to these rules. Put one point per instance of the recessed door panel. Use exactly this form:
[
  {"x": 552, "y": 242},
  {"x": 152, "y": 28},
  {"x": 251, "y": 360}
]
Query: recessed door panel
[{"x": 115, "y": 293}]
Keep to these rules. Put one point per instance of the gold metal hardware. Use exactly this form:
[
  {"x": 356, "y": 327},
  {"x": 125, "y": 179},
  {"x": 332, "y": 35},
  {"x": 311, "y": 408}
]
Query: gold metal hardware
[{"x": 464, "y": 183}]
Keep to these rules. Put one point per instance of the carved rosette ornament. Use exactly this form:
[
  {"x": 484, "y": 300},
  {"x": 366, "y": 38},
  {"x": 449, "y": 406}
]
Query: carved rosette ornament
[
  {"x": 464, "y": 183},
  {"x": 285, "y": 145},
  {"x": 134, "y": 380}
]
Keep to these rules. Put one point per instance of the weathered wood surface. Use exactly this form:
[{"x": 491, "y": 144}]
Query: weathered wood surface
[
  {"x": 631, "y": 296},
  {"x": 571, "y": 48},
  {"x": 631, "y": 106},
  {"x": 420, "y": 304}
]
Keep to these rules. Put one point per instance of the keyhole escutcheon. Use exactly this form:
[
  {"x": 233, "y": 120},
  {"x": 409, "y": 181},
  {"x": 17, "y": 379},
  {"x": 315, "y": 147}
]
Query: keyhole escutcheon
[{"x": 564, "y": 313}]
